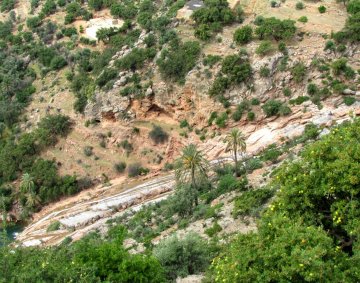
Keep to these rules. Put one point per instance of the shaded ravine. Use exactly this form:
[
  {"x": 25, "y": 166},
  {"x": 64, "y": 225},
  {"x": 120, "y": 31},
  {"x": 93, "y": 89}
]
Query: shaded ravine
[{"x": 87, "y": 215}]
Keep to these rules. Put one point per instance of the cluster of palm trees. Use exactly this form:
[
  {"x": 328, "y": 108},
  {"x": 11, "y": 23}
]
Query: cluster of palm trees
[{"x": 192, "y": 166}]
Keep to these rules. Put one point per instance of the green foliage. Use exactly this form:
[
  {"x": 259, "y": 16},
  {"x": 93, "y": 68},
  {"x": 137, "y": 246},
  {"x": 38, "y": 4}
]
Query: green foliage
[
  {"x": 274, "y": 107},
  {"x": 349, "y": 100},
  {"x": 264, "y": 48},
  {"x": 237, "y": 69},
  {"x": 251, "y": 202},
  {"x": 125, "y": 9},
  {"x": 353, "y": 7},
  {"x": 298, "y": 71},
  {"x": 213, "y": 230},
  {"x": 96, "y": 5},
  {"x": 53, "y": 226},
  {"x": 180, "y": 258},
  {"x": 243, "y": 35},
  {"x": 271, "y": 153},
  {"x": 174, "y": 63},
  {"x": 136, "y": 169},
  {"x": 33, "y": 22},
  {"x": 136, "y": 59},
  {"x": 158, "y": 135},
  {"x": 322, "y": 9},
  {"x": 211, "y": 60},
  {"x": 49, "y": 7},
  {"x": 88, "y": 260},
  {"x": 120, "y": 167},
  {"x": 221, "y": 120},
  {"x": 275, "y": 28},
  {"x": 264, "y": 72},
  {"x": 211, "y": 17},
  {"x": 299, "y": 6},
  {"x": 7, "y": 5},
  {"x": 303, "y": 19}
]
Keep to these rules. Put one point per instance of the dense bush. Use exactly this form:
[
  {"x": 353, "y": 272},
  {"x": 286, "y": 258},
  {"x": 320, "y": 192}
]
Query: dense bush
[
  {"x": 158, "y": 135},
  {"x": 274, "y": 107},
  {"x": 322, "y": 9},
  {"x": 174, "y": 63},
  {"x": 250, "y": 202},
  {"x": 298, "y": 71},
  {"x": 120, "y": 167},
  {"x": 243, "y": 35},
  {"x": 136, "y": 169},
  {"x": 264, "y": 48},
  {"x": 213, "y": 16},
  {"x": 275, "y": 28},
  {"x": 180, "y": 258}
]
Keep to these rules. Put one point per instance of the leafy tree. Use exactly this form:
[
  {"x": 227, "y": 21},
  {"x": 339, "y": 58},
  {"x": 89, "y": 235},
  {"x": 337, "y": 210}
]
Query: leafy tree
[
  {"x": 191, "y": 165},
  {"x": 235, "y": 141},
  {"x": 275, "y": 28},
  {"x": 158, "y": 135},
  {"x": 174, "y": 63},
  {"x": 97, "y": 5},
  {"x": 264, "y": 48},
  {"x": 236, "y": 68},
  {"x": 243, "y": 35},
  {"x": 184, "y": 257}
]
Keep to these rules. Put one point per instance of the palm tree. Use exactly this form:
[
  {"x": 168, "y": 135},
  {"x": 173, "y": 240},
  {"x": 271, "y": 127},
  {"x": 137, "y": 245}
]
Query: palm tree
[
  {"x": 191, "y": 165},
  {"x": 235, "y": 141},
  {"x": 27, "y": 184},
  {"x": 32, "y": 200}
]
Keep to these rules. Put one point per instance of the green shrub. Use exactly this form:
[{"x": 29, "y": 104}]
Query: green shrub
[
  {"x": 88, "y": 150},
  {"x": 271, "y": 107},
  {"x": 299, "y": 6},
  {"x": 264, "y": 72},
  {"x": 253, "y": 164},
  {"x": 287, "y": 92},
  {"x": 251, "y": 116},
  {"x": 136, "y": 169},
  {"x": 211, "y": 60},
  {"x": 176, "y": 62},
  {"x": 158, "y": 135},
  {"x": 221, "y": 120},
  {"x": 275, "y": 28},
  {"x": 298, "y": 72},
  {"x": 264, "y": 48},
  {"x": 212, "y": 231},
  {"x": 349, "y": 100},
  {"x": 312, "y": 89},
  {"x": 251, "y": 202},
  {"x": 181, "y": 258},
  {"x": 303, "y": 19},
  {"x": 243, "y": 35},
  {"x": 120, "y": 167},
  {"x": 271, "y": 153},
  {"x": 322, "y": 9},
  {"x": 54, "y": 226}
]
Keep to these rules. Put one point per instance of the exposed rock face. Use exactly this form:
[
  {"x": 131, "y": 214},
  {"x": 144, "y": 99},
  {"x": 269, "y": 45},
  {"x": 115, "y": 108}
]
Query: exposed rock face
[{"x": 109, "y": 105}]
